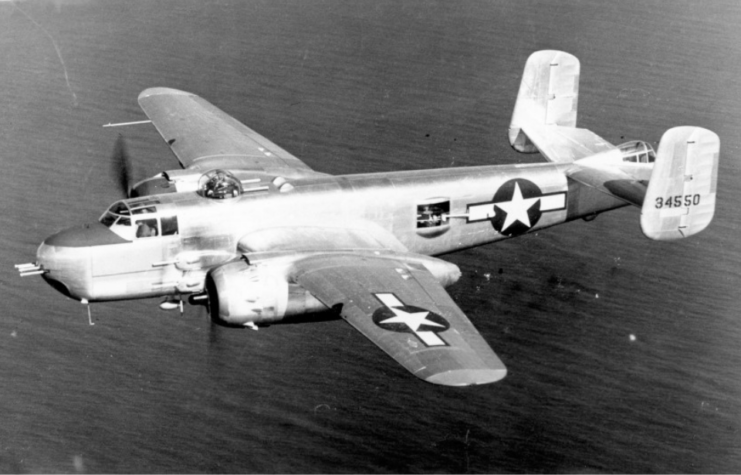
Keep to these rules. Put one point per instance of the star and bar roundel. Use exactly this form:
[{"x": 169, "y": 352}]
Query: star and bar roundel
[
  {"x": 516, "y": 207},
  {"x": 396, "y": 316}
]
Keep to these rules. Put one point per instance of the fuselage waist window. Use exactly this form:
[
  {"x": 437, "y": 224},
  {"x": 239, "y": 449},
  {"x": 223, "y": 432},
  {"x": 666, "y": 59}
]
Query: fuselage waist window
[{"x": 432, "y": 214}]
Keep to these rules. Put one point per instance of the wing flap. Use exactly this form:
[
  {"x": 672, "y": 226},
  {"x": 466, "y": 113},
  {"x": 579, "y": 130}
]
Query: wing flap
[
  {"x": 204, "y": 137},
  {"x": 401, "y": 307}
]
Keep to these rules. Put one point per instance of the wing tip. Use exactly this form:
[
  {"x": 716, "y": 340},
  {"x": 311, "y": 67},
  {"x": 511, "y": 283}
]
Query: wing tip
[
  {"x": 162, "y": 91},
  {"x": 467, "y": 377}
]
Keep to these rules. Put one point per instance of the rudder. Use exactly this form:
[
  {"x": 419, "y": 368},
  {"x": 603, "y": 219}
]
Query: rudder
[{"x": 680, "y": 199}]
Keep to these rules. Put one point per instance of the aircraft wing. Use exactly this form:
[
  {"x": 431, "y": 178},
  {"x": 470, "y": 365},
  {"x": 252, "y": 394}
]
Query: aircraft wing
[
  {"x": 204, "y": 137},
  {"x": 400, "y": 306}
]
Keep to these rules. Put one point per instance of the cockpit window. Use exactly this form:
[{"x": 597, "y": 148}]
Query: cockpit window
[
  {"x": 169, "y": 225},
  {"x": 144, "y": 210},
  {"x": 143, "y": 201},
  {"x": 118, "y": 220},
  {"x": 147, "y": 228},
  {"x": 108, "y": 219},
  {"x": 120, "y": 208},
  {"x": 119, "y": 217}
]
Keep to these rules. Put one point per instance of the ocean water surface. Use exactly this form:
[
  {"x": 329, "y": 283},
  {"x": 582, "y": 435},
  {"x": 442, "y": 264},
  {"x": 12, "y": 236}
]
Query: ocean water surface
[{"x": 623, "y": 354}]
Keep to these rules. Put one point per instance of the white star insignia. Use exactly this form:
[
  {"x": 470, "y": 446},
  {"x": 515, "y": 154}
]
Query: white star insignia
[
  {"x": 517, "y": 208},
  {"x": 412, "y": 320}
]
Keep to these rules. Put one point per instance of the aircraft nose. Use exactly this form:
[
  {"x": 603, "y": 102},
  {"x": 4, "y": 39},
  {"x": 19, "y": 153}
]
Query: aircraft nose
[
  {"x": 65, "y": 257},
  {"x": 93, "y": 234}
]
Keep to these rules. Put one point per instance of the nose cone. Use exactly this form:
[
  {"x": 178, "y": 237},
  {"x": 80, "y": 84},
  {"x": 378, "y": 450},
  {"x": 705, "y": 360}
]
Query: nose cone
[
  {"x": 94, "y": 234},
  {"x": 65, "y": 256}
]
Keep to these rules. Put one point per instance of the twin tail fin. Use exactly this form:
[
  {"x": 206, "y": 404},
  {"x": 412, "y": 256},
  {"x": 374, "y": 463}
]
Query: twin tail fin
[
  {"x": 680, "y": 199},
  {"x": 676, "y": 191}
]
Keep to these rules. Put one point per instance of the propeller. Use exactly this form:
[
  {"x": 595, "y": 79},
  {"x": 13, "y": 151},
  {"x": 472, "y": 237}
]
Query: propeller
[{"x": 121, "y": 167}]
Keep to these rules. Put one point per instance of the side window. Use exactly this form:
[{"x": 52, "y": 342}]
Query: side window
[
  {"x": 169, "y": 225},
  {"x": 146, "y": 228},
  {"x": 432, "y": 214}
]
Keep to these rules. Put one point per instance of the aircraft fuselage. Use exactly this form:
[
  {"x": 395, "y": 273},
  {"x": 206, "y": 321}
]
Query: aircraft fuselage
[{"x": 430, "y": 212}]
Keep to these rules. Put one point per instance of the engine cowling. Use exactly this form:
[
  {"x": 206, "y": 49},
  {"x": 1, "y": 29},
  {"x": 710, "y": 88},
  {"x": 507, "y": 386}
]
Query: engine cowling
[{"x": 241, "y": 294}]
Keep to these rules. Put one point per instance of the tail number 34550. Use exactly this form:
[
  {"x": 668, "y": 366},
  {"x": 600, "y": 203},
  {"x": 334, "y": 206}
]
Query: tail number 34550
[{"x": 678, "y": 201}]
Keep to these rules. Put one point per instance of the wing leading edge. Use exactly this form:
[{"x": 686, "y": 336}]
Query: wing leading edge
[
  {"x": 401, "y": 307},
  {"x": 204, "y": 137}
]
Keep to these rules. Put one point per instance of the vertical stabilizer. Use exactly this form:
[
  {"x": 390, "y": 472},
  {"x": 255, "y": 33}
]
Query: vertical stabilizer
[
  {"x": 548, "y": 95},
  {"x": 680, "y": 199}
]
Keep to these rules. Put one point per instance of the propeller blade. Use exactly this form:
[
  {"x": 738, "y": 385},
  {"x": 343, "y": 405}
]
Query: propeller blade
[{"x": 121, "y": 168}]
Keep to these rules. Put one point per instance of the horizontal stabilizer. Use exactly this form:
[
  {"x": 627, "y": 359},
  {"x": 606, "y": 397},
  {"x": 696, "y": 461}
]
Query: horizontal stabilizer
[
  {"x": 609, "y": 180},
  {"x": 680, "y": 200},
  {"x": 565, "y": 144}
]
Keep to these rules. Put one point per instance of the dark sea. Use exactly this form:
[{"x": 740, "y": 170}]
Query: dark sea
[{"x": 624, "y": 354}]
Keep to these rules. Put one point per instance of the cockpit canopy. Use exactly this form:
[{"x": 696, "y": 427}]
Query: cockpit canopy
[
  {"x": 637, "y": 151},
  {"x": 134, "y": 219},
  {"x": 219, "y": 185}
]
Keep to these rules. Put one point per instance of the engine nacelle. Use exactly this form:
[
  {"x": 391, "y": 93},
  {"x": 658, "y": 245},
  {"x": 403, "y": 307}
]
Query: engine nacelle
[{"x": 240, "y": 294}]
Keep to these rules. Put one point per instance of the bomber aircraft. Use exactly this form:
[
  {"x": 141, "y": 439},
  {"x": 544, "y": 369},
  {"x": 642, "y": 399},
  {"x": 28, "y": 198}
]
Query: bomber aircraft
[{"x": 252, "y": 231}]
